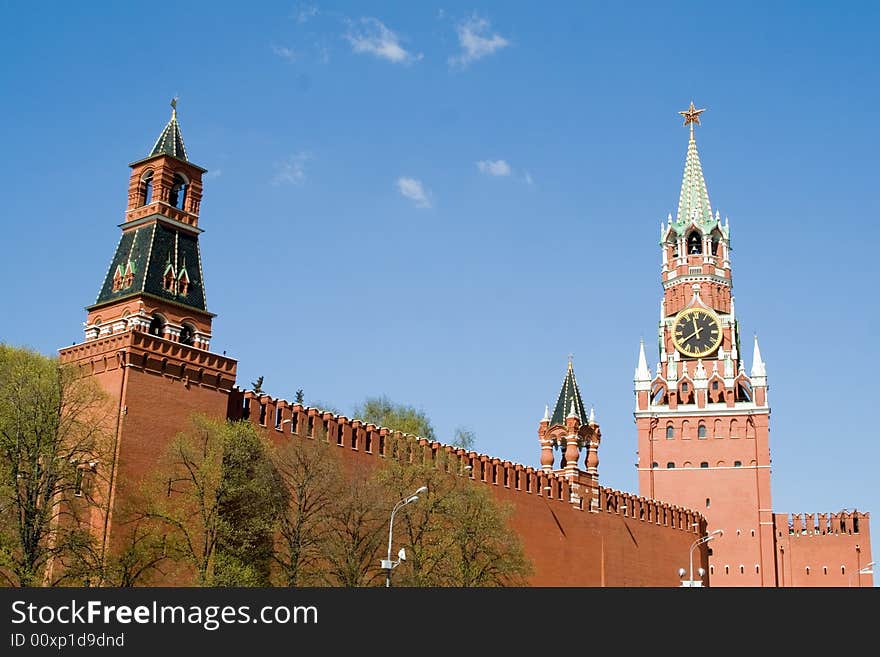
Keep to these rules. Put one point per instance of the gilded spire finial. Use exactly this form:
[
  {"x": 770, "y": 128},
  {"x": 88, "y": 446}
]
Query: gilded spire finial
[
  {"x": 174, "y": 107},
  {"x": 692, "y": 115},
  {"x": 570, "y": 356}
]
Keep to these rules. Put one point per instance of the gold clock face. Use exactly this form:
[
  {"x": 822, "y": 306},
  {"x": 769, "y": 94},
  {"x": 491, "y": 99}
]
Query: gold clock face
[{"x": 696, "y": 332}]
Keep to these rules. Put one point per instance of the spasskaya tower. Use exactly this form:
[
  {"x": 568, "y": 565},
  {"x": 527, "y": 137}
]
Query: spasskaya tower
[{"x": 702, "y": 419}]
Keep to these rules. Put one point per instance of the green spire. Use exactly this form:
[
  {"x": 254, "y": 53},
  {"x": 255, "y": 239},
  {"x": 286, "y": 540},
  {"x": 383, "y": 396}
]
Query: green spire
[
  {"x": 170, "y": 142},
  {"x": 570, "y": 394},
  {"x": 694, "y": 198}
]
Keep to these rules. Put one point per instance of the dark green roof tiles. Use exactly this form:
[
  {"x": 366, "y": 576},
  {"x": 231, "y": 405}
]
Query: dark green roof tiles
[{"x": 569, "y": 393}]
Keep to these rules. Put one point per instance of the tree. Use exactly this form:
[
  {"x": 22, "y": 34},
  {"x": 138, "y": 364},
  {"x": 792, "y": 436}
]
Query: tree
[
  {"x": 257, "y": 386},
  {"x": 312, "y": 480},
  {"x": 300, "y": 396},
  {"x": 55, "y": 450},
  {"x": 456, "y": 534},
  {"x": 357, "y": 524},
  {"x": 400, "y": 417},
  {"x": 214, "y": 495},
  {"x": 464, "y": 438}
]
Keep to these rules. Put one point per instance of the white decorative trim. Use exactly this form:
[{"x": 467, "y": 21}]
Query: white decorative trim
[
  {"x": 713, "y": 467},
  {"x": 715, "y": 408}
]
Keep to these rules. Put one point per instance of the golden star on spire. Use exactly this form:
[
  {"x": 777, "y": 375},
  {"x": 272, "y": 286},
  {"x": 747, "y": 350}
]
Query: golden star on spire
[{"x": 692, "y": 115}]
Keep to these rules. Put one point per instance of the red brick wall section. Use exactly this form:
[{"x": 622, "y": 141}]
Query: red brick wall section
[
  {"x": 826, "y": 550},
  {"x": 644, "y": 544}
]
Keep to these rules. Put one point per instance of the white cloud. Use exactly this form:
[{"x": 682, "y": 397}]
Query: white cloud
[
  {"x": 476, "y": 41},
  {"x": 285, "y": 53},
  {"x": 494, "y": 168},
  {"x": 292, "y": 171},
  {"x": 373, "y": 37},
  {"x": 305, "y": 12},
  {"x": 528, "y": 178},
  {"x": 413, "y": 189},
  {"x": 214, "y": 173}
]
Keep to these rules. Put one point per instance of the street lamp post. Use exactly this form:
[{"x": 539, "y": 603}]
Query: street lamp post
[
  {"x": 867, "y": 570},
  {"x": 387, "y": 563},
  {"x": 703, "y": 539}
]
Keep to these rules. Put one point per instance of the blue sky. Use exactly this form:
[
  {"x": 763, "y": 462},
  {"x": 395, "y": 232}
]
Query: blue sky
[{"x": 438, "y": 202}]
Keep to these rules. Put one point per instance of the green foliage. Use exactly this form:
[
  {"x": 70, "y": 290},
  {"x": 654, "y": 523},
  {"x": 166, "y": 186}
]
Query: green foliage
[
  {"x": 311, "y": 477},
  {"x": 465, "y": 438},
  {"x": 300, "y": 397},
  {"x": 456, "y": 534},
  {"x": 400, "y": 417},
  {"x": 257, "y": 386},
  {"x": 55, "y": 450},
  {"x": 216, "y": 497},
  {"x": 251, "y": 497}
]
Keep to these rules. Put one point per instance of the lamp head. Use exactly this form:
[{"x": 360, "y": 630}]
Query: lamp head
[
  {"x": 422, "y": 489},
  {"x": 681, "y": 572},
  {"x": 701, "y": 571},
  {"x": 402, "y": 554},
  {"x": 411, "y": 498}
]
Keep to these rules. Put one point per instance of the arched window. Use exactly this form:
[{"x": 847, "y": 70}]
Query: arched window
[
  {"x": 654, "y": 464},
  {"x": 670, "y": 465},
  {"x": 179, "y": 189},
  {"x": 701, "y": 431},
  {"x": 147, "y": 187},
  {"x": 694, "y": 243},
  {"x": 708, "y": 502},
  {"x": 187, "y": 335},
  {"x": 704, "y": 464},
  {"x": 157, "y": 326},
  {"x": 714, "y": 245},
  {"x": 737, "y": 464},
  {"x": 670, "y": 432}
]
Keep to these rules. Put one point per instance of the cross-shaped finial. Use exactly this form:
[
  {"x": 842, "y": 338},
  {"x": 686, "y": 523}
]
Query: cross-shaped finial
[{"x": 570, "y": 356}]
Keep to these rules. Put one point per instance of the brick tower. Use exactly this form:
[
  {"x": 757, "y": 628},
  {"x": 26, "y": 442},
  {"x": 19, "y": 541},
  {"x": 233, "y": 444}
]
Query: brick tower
[
  {"x": 147, "y": 335},
  {"x": 702, "y": 420},
  {"x": 572, "y": 432}
]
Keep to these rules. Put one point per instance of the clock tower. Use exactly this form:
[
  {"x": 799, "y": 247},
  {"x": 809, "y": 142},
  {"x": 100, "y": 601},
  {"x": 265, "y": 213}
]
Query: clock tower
[{"x": 703, "y": 433}]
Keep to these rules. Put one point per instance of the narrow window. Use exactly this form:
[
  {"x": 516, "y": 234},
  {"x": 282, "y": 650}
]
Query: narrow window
[
  {"x": 482, "y": 471},
  {"x": 77, "y": 486},
  {"x": 727, "y": 570},
  {"x": 753, "y": 533},
  {"x": 147, "y": 188},
  {"x": 157, "y": 326},
  {"x": 670, "y": 465},
  {"x": 670, "y": 432},
  {"x": 708, "y": 502},
  {"x": 711, "y": 570},
  {"x": 311, "y": 426},
  {"x": 824, "y": 570},
  {"x": 843, "y": 570},
  {"x": 354, "y": 440},
  {"x": 704, "y": 464},
  {"x": 382, "y": 445},
  {"x": 684, "y": 387},
  {"x": 701, "y": 431},
  {"x": 179, "y": 189},
  {"x": 494, "y": 474},
  {"x": 714, "y": 385},
  {"x": 263, "y": 414},
  {"x": 517, "y": 480},
  {"x": 808, "y": 570},
  {"x": 694, "y": 243},
  {"x": 742, "y": 569},
  {"x": 737, "y": 464},
  {"x": 757, "y": 569},
  {"x": 246, "y": 408},
  {"x": 368, "y": 442},
  {"x": 339, "y": 436},
  {"x": 654, "y": 465},
  {"x": 187, "y": 335}
]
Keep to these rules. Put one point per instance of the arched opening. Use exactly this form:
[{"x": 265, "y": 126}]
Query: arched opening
[
  {"x": 187, "y": 335},
  {"x": 701, "y": 431},
  {"x": 179, "y": 189},
  {"x": 157, "y": 325},
  {"x": 714, "y": 243},
  {"x": 694, "y": 243},
  {"x": 147, "y": 187},
  {"x": 670, "y": 432}
]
